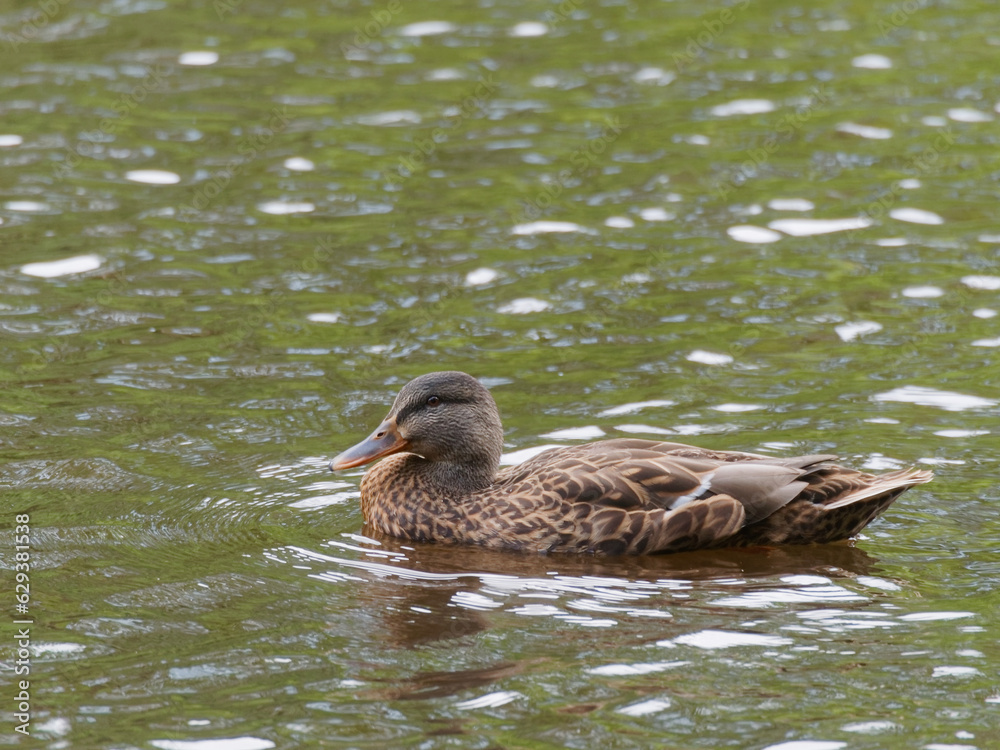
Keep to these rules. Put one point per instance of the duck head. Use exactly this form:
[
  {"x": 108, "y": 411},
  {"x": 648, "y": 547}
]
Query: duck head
[{"x": 445, "y": 417}]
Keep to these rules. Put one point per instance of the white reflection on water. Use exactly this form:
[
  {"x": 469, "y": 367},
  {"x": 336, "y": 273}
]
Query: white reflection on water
[
  {"x": 676, "y": 430},
  {"x": 198, "y": 58},
  {"x": 529, "y": 29},
  {"x": 524, "y": 306},
  {"x": 283, "y": 208},
  {"x": 481, "y": 276},
  {"x": 490, "y": 700},
  {"x": 323, "y": 317},
  {"x": 753, "y": 234},
  {"x": 967, "y": 114},
  {"x": 643, "y": 708},
  {"x": 519, "y": 457},
  {"x": 619, "y": 222},
  {"x": 990, "y": 283},
  {"x": 924, "y": 396},
  {"x": 444, "y": 74},
  {"x": 872, "y": 61},
  {"x": 394, "y": 117},
  {"x": 64, "y": 267},
  {"x": 878, "y": 462},
  {"x": 715, "y": 639},
  {"x": 299, "y": 164},
  {"x": 26, "y": 206},
  {"x": 809, "y": 227},
  {"x": 324, "y": 501},
  {"x": 840, "y": 620},
  {"x": 653, "y": 76},
  {"x": 220, "y": 743},
  {"x": 790, "y": 204},
  {"x": 877, "y": 583},
  {"x": 632, "y": 670},
  {"x": 709, "y": 358},
  {"x": 951, "y": 671},
  {"x": 916, "y": 216},
  {"x": 812, "y": 589},
  {"x": 548, "y": 227},
  {"x": 871, "y": 727},
  {"x": 743, "y": 107},
  {"x": 635, "y": 406},
  {"x": 590, "y": 432},
  {"x": 851, "y": 331},
  {"x": 59, "y": 649},
  {"x": 930, "y": 616},
  {"x": 989, "y": 343},
  {"x": 864, "y": 131},
  {"x": 941, "y": 461},
  {"x": 428, "y": 28},
  {"x": 656, "y": 214},
  {"x": 471, "y": 600},
  {"x": 306, "y": 466},
  {"x": 153, "y": 176},
  {"x": 737, "y": 408}
]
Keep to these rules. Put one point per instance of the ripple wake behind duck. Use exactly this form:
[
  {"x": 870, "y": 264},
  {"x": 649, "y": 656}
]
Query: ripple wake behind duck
[{"x": 443, "y": 439}]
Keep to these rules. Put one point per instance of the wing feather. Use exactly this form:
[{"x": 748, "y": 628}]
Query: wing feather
[{"x": 641, "y": 496}]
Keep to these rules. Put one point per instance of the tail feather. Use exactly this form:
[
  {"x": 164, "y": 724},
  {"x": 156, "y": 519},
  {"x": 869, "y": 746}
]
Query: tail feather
[
  {"x": 806, "y": 522},
  {"x": 883, "y": 484}
]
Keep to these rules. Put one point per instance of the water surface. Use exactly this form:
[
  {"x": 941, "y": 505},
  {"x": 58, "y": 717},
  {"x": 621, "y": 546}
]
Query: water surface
[{"x": 231, "y": 231}]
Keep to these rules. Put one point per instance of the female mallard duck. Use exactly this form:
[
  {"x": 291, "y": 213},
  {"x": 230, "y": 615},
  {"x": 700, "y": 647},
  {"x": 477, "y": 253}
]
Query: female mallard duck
[{"x": 612, "y": 496}]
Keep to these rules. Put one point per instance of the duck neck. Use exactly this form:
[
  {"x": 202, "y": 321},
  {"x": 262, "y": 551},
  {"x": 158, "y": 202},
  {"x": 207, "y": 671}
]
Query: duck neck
[{"x": 458, "y": 478}]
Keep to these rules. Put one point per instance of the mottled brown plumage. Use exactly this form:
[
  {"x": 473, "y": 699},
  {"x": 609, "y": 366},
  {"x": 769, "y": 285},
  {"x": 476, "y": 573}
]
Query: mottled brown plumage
[{"x": 440, "y": 482}]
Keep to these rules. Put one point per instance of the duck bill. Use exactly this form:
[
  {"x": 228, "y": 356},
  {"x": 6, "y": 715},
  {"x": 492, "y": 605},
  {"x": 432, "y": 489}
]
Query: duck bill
[{"x": 383, "y": 442}]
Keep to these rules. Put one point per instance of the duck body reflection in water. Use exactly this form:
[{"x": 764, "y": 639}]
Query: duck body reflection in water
[
  {"x": 440, "y": 482},
  {"x": 424, "y": 593}
]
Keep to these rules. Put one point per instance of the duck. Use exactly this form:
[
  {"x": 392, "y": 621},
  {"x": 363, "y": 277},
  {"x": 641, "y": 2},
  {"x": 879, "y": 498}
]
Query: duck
[{"x": 440, "y": 481}]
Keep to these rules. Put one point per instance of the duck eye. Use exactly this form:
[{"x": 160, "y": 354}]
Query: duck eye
[{"x": 433, "y": 401}]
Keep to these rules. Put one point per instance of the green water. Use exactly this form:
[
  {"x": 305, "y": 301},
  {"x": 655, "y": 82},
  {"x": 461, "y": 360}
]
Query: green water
[{"x": 171, "y": 398}]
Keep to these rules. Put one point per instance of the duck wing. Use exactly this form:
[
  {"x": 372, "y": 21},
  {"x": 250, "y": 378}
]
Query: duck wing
[
  {"x": 647, "y": 475},
  {"x": 644, "y": 496}
]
